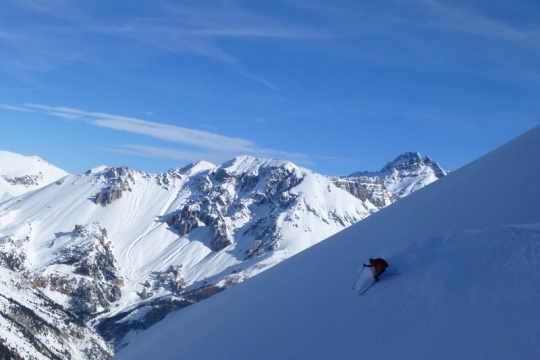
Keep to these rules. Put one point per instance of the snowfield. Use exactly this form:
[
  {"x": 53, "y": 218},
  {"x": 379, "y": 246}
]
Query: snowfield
[
  {"x": 20, "y": 174},
  {"x": 469, "y": 250}
]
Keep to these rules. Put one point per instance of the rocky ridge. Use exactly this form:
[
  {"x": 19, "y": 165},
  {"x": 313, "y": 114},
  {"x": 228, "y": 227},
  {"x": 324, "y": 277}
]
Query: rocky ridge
[
  {"x": 227, "y": 197},
  {"x": 407, "y": 173}
]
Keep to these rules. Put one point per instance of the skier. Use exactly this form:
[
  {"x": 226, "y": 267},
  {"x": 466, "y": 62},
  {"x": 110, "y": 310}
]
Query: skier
[{"x": 379, "y": 266}]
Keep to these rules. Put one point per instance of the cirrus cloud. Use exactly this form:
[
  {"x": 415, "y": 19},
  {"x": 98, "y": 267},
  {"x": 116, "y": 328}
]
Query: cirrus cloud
[{"x": 198, "y": 144}]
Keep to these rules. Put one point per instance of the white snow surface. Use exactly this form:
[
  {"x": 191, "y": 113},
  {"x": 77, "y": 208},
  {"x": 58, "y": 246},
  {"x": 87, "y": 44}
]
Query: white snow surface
[
  {"x": 468, "y": 248},
  {"x": 20, "y": 174},
  {"x": 196, "y": 167}
]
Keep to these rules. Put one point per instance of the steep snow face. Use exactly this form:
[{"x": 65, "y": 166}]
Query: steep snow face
[
  {"x": 468, "y": 248},
  {"x": 20, "y": 174}
]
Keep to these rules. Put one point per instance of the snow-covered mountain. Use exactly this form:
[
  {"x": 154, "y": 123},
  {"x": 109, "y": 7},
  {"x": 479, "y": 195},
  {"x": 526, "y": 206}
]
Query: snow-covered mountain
[
  {"x": 20, "y": 174},
  {"x": 122, "y": 248},
  {"x": 406, "y": 174},
  {"x": 467, "y": 251}
]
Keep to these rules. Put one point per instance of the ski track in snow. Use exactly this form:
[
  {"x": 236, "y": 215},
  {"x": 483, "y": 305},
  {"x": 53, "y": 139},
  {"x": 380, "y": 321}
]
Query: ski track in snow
[
  {"x": 136, "y": 275},
  {"x": 134, "y": 205},
  {"x": 167, "y": 254}
]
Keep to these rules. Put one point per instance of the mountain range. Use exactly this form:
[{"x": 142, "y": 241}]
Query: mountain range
[
  {"x": 463, "y": 281},
  {"x": 118, "y": 249}
]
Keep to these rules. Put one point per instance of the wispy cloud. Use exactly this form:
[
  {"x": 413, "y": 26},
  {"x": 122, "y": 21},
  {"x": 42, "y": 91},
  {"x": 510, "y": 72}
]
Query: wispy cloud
[
  {"x": 168, "y": 153},
  {"x": 15, "y": 108},
  {"x": 210, "y": 156},
  {"x": 262, "y": 81},
  {"x": 70, "y": 32},
  {"x": 469, "y": 21},
  {"x": 183, "y": 135},
  {"x": 234, "y": 20},
  {"x": 207, "y": 145}
]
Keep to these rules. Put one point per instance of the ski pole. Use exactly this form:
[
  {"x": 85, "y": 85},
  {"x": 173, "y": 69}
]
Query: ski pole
[{"x": 358, "y": 277}]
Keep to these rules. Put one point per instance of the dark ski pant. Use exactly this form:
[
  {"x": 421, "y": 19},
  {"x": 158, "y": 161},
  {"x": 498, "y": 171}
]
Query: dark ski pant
[{"x": 376, "y": 275}]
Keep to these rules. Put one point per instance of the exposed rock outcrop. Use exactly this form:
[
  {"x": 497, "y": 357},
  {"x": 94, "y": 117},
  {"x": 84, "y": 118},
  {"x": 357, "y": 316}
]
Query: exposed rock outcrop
[
  {"x": 111, "y": 194},
  {"x": 95, "y": 282},
  {"x": 226, "y": 201},
  {"x": 25, "y": 180},
  {"x": 366, "y": 188},
  {"x": 34, "y": 327}
]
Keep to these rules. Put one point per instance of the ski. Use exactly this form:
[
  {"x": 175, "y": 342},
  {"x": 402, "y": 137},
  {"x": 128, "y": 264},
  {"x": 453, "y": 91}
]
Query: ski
[{"x": 363, "y": 291}]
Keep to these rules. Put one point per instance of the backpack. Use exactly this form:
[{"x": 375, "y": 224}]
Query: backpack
[{"x": 382, "y": 261}]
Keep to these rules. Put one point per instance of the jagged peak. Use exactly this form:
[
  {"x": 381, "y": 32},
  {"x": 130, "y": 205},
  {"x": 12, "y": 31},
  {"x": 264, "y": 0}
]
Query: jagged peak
[
  {"x": 439, "y": 172},
  {"x": 117, "y": 175},
  {"x": 404, "y": 161},
  {"x": 413, "y": 161},
  {"x": 409, "y": 161}
]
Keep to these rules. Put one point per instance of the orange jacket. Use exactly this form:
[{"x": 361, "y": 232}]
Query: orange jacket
[{"x": 378, "y": 266}]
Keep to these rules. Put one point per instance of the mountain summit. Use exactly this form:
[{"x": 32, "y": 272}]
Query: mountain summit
[
  {"x": 413, "y": 162},
  {"x": 20, "y": 174},
  {"x": 407, "y": 173}
]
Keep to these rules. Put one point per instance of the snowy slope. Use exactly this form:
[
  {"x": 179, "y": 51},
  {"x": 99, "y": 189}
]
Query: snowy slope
[
  {"x": 20, "y": 174},
  {"x": 469, "y": 250},
  {"x": 115, "y": 241}
]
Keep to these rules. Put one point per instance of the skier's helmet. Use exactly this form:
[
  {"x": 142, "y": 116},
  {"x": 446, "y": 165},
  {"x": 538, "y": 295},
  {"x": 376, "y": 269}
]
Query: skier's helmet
[{"x": 371, "y": 261}]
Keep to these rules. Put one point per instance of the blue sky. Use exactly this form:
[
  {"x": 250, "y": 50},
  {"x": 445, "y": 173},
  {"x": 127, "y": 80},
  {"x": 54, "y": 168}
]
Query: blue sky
[{"x": 337, "y": 87}]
